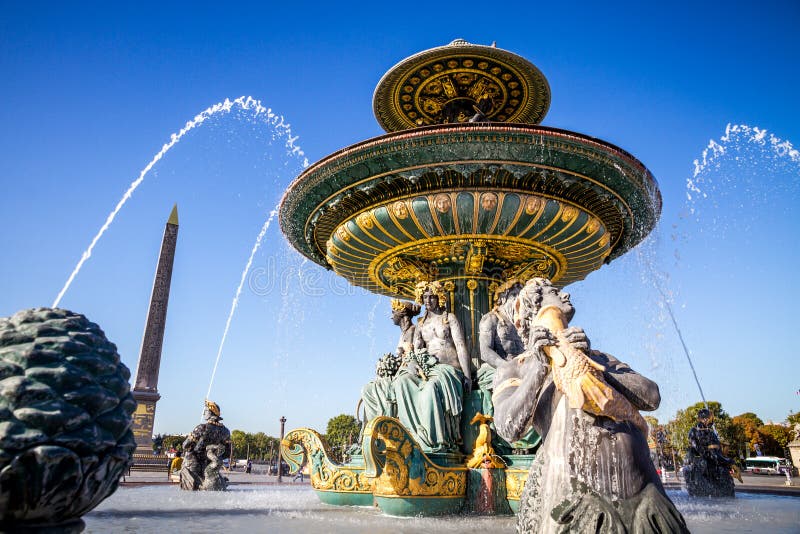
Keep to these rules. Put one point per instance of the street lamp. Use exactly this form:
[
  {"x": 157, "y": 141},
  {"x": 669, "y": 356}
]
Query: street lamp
[{"x": 280, "y": 461}]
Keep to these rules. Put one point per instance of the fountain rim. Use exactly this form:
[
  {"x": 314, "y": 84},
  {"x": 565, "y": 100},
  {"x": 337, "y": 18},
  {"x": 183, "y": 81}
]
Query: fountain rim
[{"x": 649, "y": 181}]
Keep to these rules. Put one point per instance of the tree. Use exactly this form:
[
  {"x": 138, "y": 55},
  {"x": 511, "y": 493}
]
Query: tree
[
  {"x": 260, "y": 443},
  {"x": 777, "y": 438},
  {"x": 342, "y": 432},
  {"x": 173, "y": 441},
  {"x": 747, "y": 426},
  {"x": 751, "y": 417},
  {"x": 239, "y": 440}
]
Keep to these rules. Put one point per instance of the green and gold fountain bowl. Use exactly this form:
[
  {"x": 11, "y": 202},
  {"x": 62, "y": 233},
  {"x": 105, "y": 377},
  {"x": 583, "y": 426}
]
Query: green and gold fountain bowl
[{"x": 472, "y": 204}]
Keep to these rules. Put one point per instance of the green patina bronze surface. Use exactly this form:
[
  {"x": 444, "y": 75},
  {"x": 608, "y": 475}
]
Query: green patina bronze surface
[
  {"x": 517, "y": 469},
  {"x": 554, "y": 164},
  {"x": 405, "y": 480},
  {"x": 334, "y": 483},
  {"x": 470, "y": 205}
]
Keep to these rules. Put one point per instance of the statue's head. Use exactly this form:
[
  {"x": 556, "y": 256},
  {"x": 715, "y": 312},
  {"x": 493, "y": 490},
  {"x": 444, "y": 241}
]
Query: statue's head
[
  {"x": 704, "y": 415},
  {"x": 212, "y": 410},
  {"x": 431, "y": 295},
  {"x": 404, "y": 308},
  {"x": 539, "y": 293},
  {"x": 507, "y": 291}
]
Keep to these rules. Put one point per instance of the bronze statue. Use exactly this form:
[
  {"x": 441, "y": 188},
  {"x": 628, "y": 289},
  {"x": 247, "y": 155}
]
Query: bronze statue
[
  {"x": 430, "y": 385},
  {"x": 427, "y": 390},
  {"x": 499, "y": 339},
  {"x": 402, "y": 314},
  {"x": 708, "y": 472},
  {"x": 203, "y": 449},
  {"x": 593, "y": 469},
  {"x": 500, "y": 342},
  {"x": 378, "y": 396}
]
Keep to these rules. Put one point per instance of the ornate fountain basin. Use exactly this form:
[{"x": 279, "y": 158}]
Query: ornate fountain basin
[{"x": 480, "y": 202}]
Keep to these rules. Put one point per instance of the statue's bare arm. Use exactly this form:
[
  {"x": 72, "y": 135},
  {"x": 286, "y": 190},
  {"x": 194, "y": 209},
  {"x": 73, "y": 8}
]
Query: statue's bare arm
[
  {"x": 419, "y": 343},
  {"x": 641, "y": 391},
  {"x": 516, "y": 390},
  {"x": 461, "y": 349},
  {"x": 486, "y": 339}
]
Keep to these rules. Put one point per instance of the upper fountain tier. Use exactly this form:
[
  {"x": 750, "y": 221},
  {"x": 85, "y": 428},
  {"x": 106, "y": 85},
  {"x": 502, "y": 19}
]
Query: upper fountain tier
[
  {"x": 459, "y": 82},
  {"x": 459, "y": 193}
]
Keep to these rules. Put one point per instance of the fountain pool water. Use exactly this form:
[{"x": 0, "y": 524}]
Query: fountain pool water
[{"x": 286, "y": 508}]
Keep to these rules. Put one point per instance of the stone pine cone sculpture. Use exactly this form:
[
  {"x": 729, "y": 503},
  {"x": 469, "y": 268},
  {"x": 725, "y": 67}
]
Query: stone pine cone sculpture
[{"x": 65, "y": 417}]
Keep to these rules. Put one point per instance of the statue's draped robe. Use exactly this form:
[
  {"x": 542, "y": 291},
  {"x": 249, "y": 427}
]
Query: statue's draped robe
[
  {"x": 431, "y": 409},
  {"x": 589, "y": 468},
  {"x": 378, "y": 397}
]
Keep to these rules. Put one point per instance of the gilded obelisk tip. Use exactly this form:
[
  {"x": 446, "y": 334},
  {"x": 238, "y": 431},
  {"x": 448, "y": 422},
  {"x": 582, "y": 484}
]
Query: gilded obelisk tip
[{"x": 173, "y": 217}]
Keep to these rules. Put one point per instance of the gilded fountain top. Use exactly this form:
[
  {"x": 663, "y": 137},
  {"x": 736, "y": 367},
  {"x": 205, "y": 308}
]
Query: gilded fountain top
[
  {"x": 466, "y": 188},
  {"x": 461, "y": 82}
]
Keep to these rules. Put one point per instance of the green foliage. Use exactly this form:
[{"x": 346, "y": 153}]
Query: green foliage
[
  {"x": 776, "y": 439},
  {"x": 258, "y": 446},
  {"x": 239, "y": 440},
  {"x": 173, "y": 441},
  {"x": 652, "y": 422},
  {"x": 342, "y": 432}
]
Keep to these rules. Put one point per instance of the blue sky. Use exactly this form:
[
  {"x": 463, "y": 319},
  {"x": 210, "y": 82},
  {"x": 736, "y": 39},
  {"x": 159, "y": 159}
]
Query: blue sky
[{"x": 92, "y": 92}]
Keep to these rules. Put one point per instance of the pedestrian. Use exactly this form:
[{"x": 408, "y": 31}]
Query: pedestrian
[
  {"x": 249, "y": 467},
  {"x": 175, "y": 465}
]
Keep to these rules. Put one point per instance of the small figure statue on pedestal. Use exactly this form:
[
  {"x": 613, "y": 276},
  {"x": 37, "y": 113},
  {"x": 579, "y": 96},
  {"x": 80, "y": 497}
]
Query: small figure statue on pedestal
[
  {"x": 709, "y": 470},
  {"x": 203, "y": 449}
]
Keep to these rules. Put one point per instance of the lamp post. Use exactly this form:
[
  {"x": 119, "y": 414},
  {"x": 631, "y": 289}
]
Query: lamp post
[{"x": 280, "y": 460}]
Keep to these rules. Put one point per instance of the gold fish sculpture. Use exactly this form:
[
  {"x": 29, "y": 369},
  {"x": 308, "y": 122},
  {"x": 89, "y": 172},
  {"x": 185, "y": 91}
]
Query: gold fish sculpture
[{"x": 580, "y": 378}]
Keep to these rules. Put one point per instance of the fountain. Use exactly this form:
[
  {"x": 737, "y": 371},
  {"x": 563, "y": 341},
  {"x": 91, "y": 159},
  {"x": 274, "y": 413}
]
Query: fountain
[
  {"x": 465, "y": 197},
  {"x": 207, "y": 444},
  {"x": 708, "y": 470}
]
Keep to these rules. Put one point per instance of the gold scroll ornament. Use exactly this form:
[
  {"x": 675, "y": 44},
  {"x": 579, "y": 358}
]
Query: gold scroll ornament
[{"x": 580, "y": 378}]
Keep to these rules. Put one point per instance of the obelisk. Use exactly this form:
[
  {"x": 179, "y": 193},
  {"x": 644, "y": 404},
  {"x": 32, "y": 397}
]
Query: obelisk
[{"x": 145, "y": 389}]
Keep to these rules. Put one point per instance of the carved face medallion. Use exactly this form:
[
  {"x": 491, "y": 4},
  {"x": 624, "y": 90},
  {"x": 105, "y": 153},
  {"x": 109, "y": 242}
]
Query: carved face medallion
[
  {"x": 400, "y": 210},
  {"x": 442, "y": 203},
  {"x": 488, "y": 201}
]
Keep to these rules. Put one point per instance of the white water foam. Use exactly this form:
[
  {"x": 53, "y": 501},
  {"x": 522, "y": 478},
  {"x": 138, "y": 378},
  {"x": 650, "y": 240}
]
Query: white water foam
[{"x": 735, "y": 136}]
